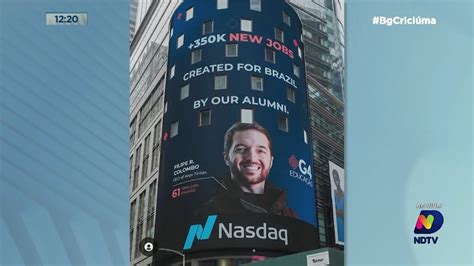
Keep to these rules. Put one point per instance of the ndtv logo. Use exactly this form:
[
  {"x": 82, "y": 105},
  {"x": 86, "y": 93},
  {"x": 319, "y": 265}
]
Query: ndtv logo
[
  {"x": 428, "y": 222},
  {"x": 230, "y": 231}
]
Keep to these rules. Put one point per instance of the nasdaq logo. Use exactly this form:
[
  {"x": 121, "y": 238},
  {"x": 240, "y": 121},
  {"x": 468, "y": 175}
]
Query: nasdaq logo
[
  {"x": 197, "y": 231},
  {"x": 428, "y": 222},
  {"x": 233, "y": 231}
]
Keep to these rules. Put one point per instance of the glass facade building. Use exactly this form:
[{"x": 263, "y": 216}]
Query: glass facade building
[{"x": 323, "y": 36}]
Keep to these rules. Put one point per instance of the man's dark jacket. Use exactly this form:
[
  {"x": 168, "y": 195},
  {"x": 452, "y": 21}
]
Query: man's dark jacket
[{"x": 230, "y": 199}]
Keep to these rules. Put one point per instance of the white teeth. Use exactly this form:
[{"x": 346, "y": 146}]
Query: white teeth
[{"x": 252, "y": 167}]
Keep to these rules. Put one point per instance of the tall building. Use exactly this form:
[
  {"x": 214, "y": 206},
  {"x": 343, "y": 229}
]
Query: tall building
[
  {"x": 323, "y": 36},
  {"x": 324, "y": 54},
  {"x": 323, "y": 33},
  {"x": 148, "y": 51}
]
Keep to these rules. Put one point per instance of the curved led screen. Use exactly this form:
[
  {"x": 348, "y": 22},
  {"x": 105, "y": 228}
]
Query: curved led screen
[{"x": 235, "y": 167}]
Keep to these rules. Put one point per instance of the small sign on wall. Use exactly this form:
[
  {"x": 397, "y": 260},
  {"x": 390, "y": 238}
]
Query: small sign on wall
[{"x": 318, "y": 259}]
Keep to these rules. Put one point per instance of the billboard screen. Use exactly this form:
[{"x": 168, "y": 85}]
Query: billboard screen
[
  {"x": 336, "y": 174},
  {"x": 236, "y": 143}
]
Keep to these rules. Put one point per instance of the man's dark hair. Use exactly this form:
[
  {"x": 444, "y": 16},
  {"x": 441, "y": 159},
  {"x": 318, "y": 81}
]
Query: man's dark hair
[{"x": 229, "y": 135}]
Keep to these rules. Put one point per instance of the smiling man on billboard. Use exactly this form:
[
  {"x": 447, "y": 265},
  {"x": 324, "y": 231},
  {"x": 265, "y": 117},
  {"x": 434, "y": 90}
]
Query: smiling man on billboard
[{"x": 249, "y": 155}]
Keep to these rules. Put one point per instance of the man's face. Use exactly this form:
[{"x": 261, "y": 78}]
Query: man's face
[{"x": 249, "y": 159}]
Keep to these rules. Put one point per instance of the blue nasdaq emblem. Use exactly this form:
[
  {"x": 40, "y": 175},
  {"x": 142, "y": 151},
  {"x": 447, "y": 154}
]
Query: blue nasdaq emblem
[{"x": 197, "y": 231}]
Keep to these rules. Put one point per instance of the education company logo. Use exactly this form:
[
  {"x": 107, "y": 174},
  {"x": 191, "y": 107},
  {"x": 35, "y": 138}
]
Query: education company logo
[
  {"x": 427, "y": 223},
  {"x": 300, "y": 170}
]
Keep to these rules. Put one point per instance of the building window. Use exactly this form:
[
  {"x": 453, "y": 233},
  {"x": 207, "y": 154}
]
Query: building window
[
  {"x": 205, "y": 118},
  {"x": 156, "y": 146},
  {"x": 196, "y": 56},
  {"x": 257, "y": 83},
  {"x": 151, "y": 209},
  {"x": 220, "y": 82},
  {"x": 279, "y": 35},
  {"x": 256, "y": 5},
  {"x": 286, "y": 19},
  {"x": 296, "y": 70},
  {"x": 132, "y": 213},
  {"x": 322, "y": 237},
  {"x": 138, "y": 236},
  {"x": 150, "y": 109},
  {"x": 222, "y": 4},
  {"x": 290, "y": 94},
  {"x": 270, "y": 56},
  {"x": 135, "y": 177},
  {"x": 132, "y": 222},
  {"x": 130, "y": 170},
  {"x": 307, "y": 34},
  {"x": 325, "y": 58},
  {"x": 246, "y": 25},
  {"x": 184, "y": 92},
  {"x": 133, "y": 130},
  {"x": 246, "y": 116},
  {"x": 208, "y": 27},
  {"x": 327, "y": 74},
  {"x": 136, "y": 172},
  {"x": 180, "y": 41},
  {"x": 174, "y": 129},
  {"x": 324, "y": 43},
  {"x": 283, "y": 123},
  {"x": 146, "y": 156},
  {"x": 231, "y": 50},
  {"x": 322, "y": 28},
  {"x": 151, "y": 197},
  {"x": 172, "y": 72},
  {"x": 189, "y": 13}
]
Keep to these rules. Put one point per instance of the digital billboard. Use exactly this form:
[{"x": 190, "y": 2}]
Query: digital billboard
[
  {"x": 336, "y": 174},
  {"x": 236, "y": 161}
]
